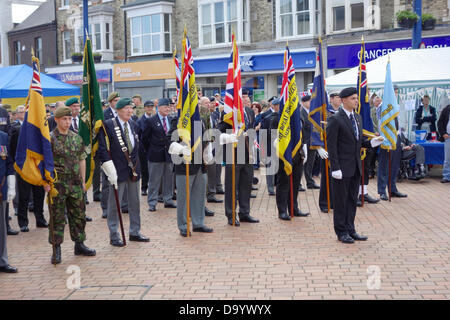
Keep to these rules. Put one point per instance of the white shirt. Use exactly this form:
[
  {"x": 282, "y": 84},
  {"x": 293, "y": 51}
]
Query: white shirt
[
  {"x": 130, "y": 132},
  {"x": 113, "y": 111},
  {"x": 161, "y": 118},
  {"x": 356, "y": 122}
]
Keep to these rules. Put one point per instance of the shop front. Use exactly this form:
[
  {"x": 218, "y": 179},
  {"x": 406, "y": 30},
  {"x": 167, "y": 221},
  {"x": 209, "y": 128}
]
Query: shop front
[
  {"x": 151, "y": 79},
  {"x": 74, "y": 75},
  {"x": 261, "y": 72}
]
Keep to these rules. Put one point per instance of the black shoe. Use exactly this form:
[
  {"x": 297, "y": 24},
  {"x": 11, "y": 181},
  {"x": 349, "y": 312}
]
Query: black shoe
[
  {"x": 220, "y": 191},
  {"x": 252, "y": 196},
  {"x": 346, "y": 239},
  {"x": 160, "y": 200},
  {"x": 203, "y": 229},
  {"x": 236, "y": 222},
  {"x": 183, "y": 233},
  {"x": 174, "y": 197},
  {"x": 254, "y": 188},
  {"x": 56, "y": 256},
  {"x": 144, "y": 192},
  {"x": 8, "y": 269},
  {"x": 11, "y": 232},
  {"x": 24, "y": 229},
  {"x": 116, "y": 243},
  {"x": 9, "y": 218},
  {"x": 139, "y": 238},
  {"x": 97, "y": 199},
  {"x": 151, "y": 208},
  {"x": 444, "y": 180},
  {"x": 124, "y": 210},
  {"x": 384, "y": 197},
  {"x": 358, "y": 237},
  {"x": 42, "y": 224},
  {"x": 248, "y": 218},
  {"x": 104, "y": 215},
  {"x": 359, "y": 203},
  {"x": 214, "y": 200},
  {"x": 88, "y": 219},
  {"x": 324, "y": 210},
  {"x": 170, "y": 205},
  {"x": 314, "y": 186},
  {"x": 369, "y": 199},
  {"x": 271, "y": 193},
  {"x": 299, "y": 213},
  {"x": 255, "y": 180},
  {"x": 301, "y": 189},
  {"x": 87, "y": 201},
  {"x": 284, "y": 216},
  {"x": 397, "y": 194},
  {"x": 82, "y": 250},
  {"x": 31, "y": 208},
  {"x": 209, "y": 213}
]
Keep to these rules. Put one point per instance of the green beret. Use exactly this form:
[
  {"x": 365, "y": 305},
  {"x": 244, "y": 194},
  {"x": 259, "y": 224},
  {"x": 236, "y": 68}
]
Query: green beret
[
  {"x": 71, "y": 101},
  {"x": 137, "y": 96},
  {"x": 7, "y": 106},
  {"x": 113, "y": 95},
  {"x": 62, "y": 112},
  {"x": 123, "y": 102}
]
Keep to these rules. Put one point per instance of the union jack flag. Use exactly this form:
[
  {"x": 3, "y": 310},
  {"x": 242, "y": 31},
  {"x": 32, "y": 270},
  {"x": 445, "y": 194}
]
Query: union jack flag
[
  {"x": 36, "y": 80},
  {"x": 363, "y": 92},
  {"x": 177, "y": 73},
  {"x": 233, "y": 108}
]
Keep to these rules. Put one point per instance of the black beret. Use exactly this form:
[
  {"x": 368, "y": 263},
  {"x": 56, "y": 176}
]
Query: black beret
[
  {"x": 272, "y": 98},
  {"x": 212, "y": 99},
  {"x": 347, "y": 92},
  {"x": 334, "y": 94},
  {"x": 306, "y": 98},
  {"x": 149, "y": 103},
  {"x": 163, "y": 102},
  {"x": 245, "y": 91}
]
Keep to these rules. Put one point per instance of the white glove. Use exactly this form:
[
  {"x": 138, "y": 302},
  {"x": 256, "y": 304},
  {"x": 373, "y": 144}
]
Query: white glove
[
  {"x": 110, "y": 171},
  {"x": 186, "y": 151},
  {"x": 322, "y": 153},
  {"x": 175, "y": 148},
  {"x": 275, "y": 142},
  {"x": 11, "y": 179},
  {"x": 305, "y": 151},
  {"x": 208, "y": 155},
  {"x": 375, "y": 142},
  {"x": 228, "y": 138},
  {"x": 337, "y": 174}
]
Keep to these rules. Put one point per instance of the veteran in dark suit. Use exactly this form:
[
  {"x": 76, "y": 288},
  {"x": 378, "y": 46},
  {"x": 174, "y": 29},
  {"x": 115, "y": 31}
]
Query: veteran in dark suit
[
  {"x": 345, "y": 140},
  {"x": 121, "y": 166},
  {"x": 156, "y": 142},
  {"x": 149, "y": 107}
]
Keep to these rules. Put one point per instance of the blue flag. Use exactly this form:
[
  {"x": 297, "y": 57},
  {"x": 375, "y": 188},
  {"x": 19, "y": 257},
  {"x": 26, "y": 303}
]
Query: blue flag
[
  {"x": 319, "y": 104},
  {"x": 363, "y": 93},
  {"x": 34, "y": 157},
  {"x": 389, "y": 111}
]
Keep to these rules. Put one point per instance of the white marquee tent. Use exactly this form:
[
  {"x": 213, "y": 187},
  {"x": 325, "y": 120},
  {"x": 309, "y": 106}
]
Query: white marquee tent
[{"x": 410, "y": 68}]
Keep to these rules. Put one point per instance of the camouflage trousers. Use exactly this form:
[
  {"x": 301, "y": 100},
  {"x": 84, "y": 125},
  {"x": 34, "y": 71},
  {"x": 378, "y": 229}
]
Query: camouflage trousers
[{"x": 70, "y": 200}]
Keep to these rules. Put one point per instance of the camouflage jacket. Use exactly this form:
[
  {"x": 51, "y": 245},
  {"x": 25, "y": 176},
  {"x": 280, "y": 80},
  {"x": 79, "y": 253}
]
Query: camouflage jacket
[{"x": 68, "y": 150}]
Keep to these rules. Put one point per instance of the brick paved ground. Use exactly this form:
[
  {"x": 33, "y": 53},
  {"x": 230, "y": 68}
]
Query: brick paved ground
[{"x": 409, "y": 242}]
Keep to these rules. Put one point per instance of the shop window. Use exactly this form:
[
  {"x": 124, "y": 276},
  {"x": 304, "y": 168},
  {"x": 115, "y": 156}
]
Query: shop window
[
  {"x": 67, "y": 45},
  {"x": 17, "y": 52},
  {"x": 38, "y": 48},
  {"x": 220, "y": 18},
  {"x": 349, "y": 15}
]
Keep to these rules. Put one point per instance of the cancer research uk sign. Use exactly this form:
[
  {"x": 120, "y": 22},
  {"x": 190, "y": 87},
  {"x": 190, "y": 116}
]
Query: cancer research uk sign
[{"x": 347, "y": 56}]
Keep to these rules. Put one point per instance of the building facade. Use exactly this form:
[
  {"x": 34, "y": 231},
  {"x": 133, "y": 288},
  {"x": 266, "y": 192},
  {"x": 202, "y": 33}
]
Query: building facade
[
  {"x": 38, "y": 33},
  {"x": 6, "y": 24}
]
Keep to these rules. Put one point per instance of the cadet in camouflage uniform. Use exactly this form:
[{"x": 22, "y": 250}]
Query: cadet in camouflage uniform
[{"x": 69, "y": 160}]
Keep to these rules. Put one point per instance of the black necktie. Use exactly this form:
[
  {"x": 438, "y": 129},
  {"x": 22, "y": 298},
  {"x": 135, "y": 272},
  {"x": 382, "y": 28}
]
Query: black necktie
[
  {"x": 355, "y": 129},
  {"x": 75, "y": 125}
]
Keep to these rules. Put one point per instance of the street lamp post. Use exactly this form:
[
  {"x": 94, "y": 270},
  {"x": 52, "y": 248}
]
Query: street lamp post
[{"x": 417, "y": 30}]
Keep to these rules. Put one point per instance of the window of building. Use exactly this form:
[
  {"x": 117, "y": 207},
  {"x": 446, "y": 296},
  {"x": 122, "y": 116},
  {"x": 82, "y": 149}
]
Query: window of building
[
  {"x": 150, "y": 34},
  {"x": 349, "y": 15},
  {"x": 220, "y": 18},
  {"x": 38, "y": 48},
  {"x": 100, "y": 34},
  {"x": 297, "y": 18},
  {"x": 107, "y": 36},
  {"x": 17, "y": 51},
  {"x": 65, "y": 3},
  {"x": 67, "y": 45}
]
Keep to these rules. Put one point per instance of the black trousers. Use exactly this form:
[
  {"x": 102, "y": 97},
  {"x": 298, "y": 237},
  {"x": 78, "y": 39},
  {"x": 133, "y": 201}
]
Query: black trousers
[
  {"x": 144, "y": 170},
  {"x": 283, "y": 186},
  {"x": 309, "y": 165},
  {"x": 345, "y": 196},
  {"x": 24, "y": 196},
  {"x": 96, "y": 180},
  {"x": 323, "y": 203},
  {"x": 368, "y": 164},
  {"x": 243, "y": 182}
]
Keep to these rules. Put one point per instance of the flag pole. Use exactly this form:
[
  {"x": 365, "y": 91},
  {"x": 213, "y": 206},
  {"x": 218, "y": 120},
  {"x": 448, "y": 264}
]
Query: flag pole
[
  {"x": 292, "y": 197},
  {"x": 362, "y": 183},
  {"x": 389, "y": 186},
  {"x": 188, "y": 201},
  {"x": 324, "y": 116}
]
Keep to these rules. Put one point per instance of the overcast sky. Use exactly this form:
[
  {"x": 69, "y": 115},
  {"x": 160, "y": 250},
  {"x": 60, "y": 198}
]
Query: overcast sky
[{"x": 20, "y": 12}]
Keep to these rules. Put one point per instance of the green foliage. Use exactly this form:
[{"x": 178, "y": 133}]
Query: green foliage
[{"x": 407, "y": 15}]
